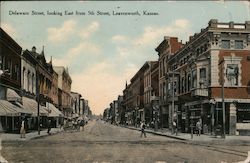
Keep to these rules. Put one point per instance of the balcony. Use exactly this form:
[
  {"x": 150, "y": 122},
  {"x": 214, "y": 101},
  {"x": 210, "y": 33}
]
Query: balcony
[{"x": 199, "y": 92}]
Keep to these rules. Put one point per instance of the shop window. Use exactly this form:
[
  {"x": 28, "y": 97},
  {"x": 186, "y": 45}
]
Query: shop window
[
  {"x": 232, "y": 74},
  {"x": 225, "y": 44},
  {"x": 238, "y": 44}
]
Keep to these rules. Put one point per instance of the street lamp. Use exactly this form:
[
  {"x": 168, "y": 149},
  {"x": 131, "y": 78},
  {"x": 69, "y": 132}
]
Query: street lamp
[
  {"x": 223, "y": 100},
  {"x": 212, "y": 102},
  {"x": 174, "y": 112},
  {"x": 38, "y": 102}
]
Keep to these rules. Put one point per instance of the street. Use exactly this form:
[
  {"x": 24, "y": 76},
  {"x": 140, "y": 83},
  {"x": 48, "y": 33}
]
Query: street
[{"x": 102, "y": 142}]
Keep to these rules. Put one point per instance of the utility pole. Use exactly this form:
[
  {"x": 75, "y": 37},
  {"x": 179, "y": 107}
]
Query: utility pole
[
  {"x": 38, "y": 102},
  {"x": 223, "y": 100}
]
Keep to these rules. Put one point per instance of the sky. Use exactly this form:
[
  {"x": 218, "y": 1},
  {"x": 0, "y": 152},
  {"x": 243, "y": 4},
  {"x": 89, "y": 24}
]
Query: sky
[{"x": 103, "y": 52}]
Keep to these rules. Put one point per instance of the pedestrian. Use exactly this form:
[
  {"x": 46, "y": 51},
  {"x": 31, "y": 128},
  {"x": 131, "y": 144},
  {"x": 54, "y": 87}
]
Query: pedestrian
[
  {"x": 143, "y": 126},
  {"x": 174, "y": 128},
  {"x": 198, "y": 127},
  {"x": 22, "y": 128},
  {"x": 49, "y": 127},
  {"x": 82, "y": 123}
]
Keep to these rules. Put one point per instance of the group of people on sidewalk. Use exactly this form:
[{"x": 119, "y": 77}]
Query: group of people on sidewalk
[
  {"x": 75, "y": 124},
  {"x": 198, "y": 128}
]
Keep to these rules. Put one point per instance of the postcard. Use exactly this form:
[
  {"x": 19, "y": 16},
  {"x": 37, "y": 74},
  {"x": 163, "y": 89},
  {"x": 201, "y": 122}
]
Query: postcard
[{"x": 125, "y": 81}]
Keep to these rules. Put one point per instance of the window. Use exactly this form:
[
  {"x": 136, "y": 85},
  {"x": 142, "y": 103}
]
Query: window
[
  {"x": 189, "y": 82},
  {"x": 225, "y": 44},
  {"x": 182, "y": 85},
  {"x": 232, "y": 74},
  {"x": 197, "y": 51},
  {"x": 238, "y": 44},
  {"x": 194, "y": 78},
  {"x": 203, "y": 73}
]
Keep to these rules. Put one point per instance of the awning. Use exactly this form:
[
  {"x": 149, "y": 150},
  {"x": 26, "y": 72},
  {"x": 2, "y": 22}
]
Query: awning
[
  {"x": 53, "y": 111},
  {"x": 31, "y": 105},
  {"x": 9, "y": 109},
  {"x": 11, "y": 95}
]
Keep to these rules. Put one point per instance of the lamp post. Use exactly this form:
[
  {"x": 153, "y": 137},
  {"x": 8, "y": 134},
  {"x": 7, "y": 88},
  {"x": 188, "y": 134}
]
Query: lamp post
[
  {"x": 38, "y": 102},
  {"x": 223, "y": 100},
  {"x": 173, "y": 111},
  {"x": 212, "y": 102}
]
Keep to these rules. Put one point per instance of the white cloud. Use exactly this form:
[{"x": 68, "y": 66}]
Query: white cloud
[
  {"x": 89, "y": 30},
  {"x": 100, "y": 85},
  {"x": 119, "y": 38},
  {"x": 152, "y": 34},
  {"x": 61, "y": 33},
  {"x": 9, "y": 29},
  {"x": 61, "y": 61},
  {"x": 83, "y": 48}
]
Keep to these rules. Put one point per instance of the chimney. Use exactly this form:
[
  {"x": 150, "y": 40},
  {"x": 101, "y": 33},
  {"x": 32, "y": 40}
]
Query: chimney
[
  {"x": 231, "y": 24},
  {"x": 213, "y": 23},
  {"x": 166, "y": 38},
  {"x": 247, "y": 24},
  {"x": 190, "y": 38},
  {"x": 33, "y": 49}
]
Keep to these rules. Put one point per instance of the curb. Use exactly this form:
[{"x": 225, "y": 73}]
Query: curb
[
  {"x": 31, "y": 138},
  {"x": 155, "y": 133}
]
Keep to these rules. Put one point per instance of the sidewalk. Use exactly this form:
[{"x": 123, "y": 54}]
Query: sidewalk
[
  {"x": 187, "y": 136},
  {"x": 28, "y": 136}
]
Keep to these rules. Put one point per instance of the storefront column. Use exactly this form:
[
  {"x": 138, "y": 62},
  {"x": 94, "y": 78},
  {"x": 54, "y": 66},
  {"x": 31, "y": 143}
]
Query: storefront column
[{"x": 232, "y": 119}]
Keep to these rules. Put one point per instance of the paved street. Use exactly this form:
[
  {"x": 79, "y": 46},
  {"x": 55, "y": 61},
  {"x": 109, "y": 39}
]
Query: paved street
[{"x": 101, "y": 142}]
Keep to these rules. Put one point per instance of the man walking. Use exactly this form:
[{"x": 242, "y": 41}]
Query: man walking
[
  {"x": 23, "y": 127},
  {"x": 143, "y": 126},
  {"x": 49, "y": 127},
  {"x": 174, "y": 128},
  {"x": 198, "y": 127}
]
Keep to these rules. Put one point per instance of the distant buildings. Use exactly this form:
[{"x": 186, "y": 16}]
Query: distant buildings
[{"x": 193, "y": 81}]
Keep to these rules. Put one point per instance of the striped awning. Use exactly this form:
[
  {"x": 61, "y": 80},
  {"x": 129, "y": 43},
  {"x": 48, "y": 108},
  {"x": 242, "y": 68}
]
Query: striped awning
[
  {"x": 31, "y": 104},
  {"x": 9, "y": 109},
  {"x": 53, "y": 111},
  {"x": 11, "y": 95}
]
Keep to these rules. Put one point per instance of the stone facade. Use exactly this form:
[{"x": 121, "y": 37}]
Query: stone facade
[
  {"x": 166, "y": 49},
  {"x": 28, "y": 74}
]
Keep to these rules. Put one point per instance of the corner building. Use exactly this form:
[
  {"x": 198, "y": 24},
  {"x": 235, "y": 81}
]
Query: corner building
[{"x": 219, "y": 54}]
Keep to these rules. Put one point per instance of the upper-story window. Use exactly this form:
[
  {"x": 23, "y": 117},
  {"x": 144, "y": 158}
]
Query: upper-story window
[
  {"x": 238, "y": 44},
  {"x": 194, "y": 78},
  {"x": 232, "y": 74},
  {"x": 182, "y": 85},
  {"x": 203, "y": 73},
  {"x": 225, "y": 44},
  {"x": 197, "y": 51},
  {"x": 202, "y": 77},
  {"x": 189, "y": 82}
]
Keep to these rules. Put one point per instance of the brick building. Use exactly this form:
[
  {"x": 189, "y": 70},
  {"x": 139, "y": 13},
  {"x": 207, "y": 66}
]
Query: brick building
[
  {"x": 64, "y": 89},
  {"x": 220, "y": 52},
  {"x": 165, "y": 50}
]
